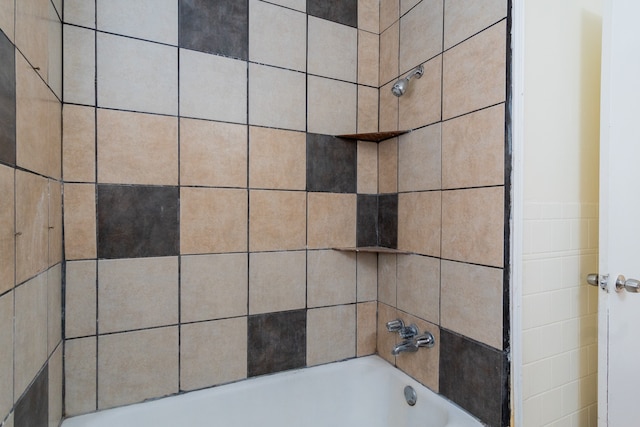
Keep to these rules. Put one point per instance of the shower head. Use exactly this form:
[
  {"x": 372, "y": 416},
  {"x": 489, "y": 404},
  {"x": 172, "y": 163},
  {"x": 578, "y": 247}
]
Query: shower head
[{"x": 400, "y": 87}]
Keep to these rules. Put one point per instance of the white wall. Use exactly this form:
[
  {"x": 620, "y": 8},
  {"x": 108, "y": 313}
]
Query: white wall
[{"x": 560, "y": 196}]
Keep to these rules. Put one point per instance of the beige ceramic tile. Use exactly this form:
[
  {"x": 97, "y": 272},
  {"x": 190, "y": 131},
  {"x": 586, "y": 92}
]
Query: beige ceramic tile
[
  {"x": 137, "y": 75},
  {"x": 277, "y": 36},
  {"x": 277, "y": 281},
  {"x": 367, "y": 109},
  {"x": 367, "y": 168},
  {"x": 79, "y": 65},
  {"x": 32, "y": 218},
  {"x": 331, "y": 334},
  {"x": 369, "y": 15},
  {"x": 54, "y": 137},
  {"x": 389, "y": 107},
  {"x": 389, "y": 13},
  {"x": 155, "y": 20},
  {"x": 6, "y": 353},
  {"x": 473, "y": 225},
  {"x": 366, "y": 322},
  {"x": 277, "y": 159},
  {"x": 387, "y": 278},
  {"x": 137, "y": 293},
  {"x": 474, "y": 73},
  {"x": 213, "y": 154},
  {"x": 420, "y": 34},
  {"x": 386, "y": 340},
  {"x": 332, "y": 50},
  {"x": 80, "y": 12},
  {"x": 54, "y": 47},
  {"x": 32, "y": 30},
  {"x": 331, "y": 106},
  {"x": 471, "y": 301},
  {"x": 80, "y": 298},
  {"x": 80, "y": 376},
  {"x": 419, "y": 156},
  {"x": 414, "y": 112},
  {"x": 55, "y": 388},
  {"x": 213, "y": 286},
  {"x": 7, "y": 228},
  {"x": 422, "y": 365},
  {"x": 388, "y": 166},
  {"x": 7, "y": 18},
  {"x": 407, "y": 5},
  {"x": 462, "y": 19},
  {"x": 367, "y": 276},
  {"x": 419, "y": 222},
  {"x": 419, "y": 286},
  {"x": 331, "y": 278},
  {"x": 78, "y": 143},
  {"x": 331, "y": 220},
  {"x": 32, "y": 120},
  {"x": 128, "y": 372},
  {"x": 55, "y": 222},
  {"x": 277, "y": 97},
  {"x": 137, "y": 148},
  {"x": 80, "y": 221},
  {"x": 473, "y": 149},
  {"x": 213, "y": 353},
  {"x": 389, "y": 47},
  {"x": 277, "y": 220},
  {"x": 30, "y": 332},
  {"x": 213, "y": 220},
  {"x": 54, "y": 307}
]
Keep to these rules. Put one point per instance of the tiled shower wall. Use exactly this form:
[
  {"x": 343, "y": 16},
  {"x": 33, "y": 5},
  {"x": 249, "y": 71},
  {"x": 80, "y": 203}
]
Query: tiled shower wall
[
  {"x": 203, "y": 190},
  {"x": 30, "y": 213},
  {"x": 449, "y": 174}
]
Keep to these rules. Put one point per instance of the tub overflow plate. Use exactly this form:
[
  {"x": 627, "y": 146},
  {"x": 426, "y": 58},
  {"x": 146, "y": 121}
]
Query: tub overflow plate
[{"x": 410, "y": 395}]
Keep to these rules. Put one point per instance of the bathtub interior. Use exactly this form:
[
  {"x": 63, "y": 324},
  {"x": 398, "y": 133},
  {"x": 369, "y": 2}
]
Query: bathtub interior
[{"x": 359, "y": 392}]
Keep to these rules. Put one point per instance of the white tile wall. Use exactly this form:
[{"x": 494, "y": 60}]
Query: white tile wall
[
  {"x": 145, "y": 19},
  {"x": 559, "y": 314},
  {"x": 137, "y": 75}
]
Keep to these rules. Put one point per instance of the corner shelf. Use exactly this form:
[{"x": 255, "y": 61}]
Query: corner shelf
[
  {"x": 374, "y": 249},
  {"x": 374, "y": 136}
]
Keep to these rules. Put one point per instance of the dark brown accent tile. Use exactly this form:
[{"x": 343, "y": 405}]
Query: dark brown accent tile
[
  {"x": 388, "y": 220},
  {"x": 331, "y": 164},
  {"x": 137, "y": 221},
  {"x": 367, "y": 221},
  {"x": 32, "y": 409},
  {"x": 276, "y": 342},
  {"x": 340, "y": 11},
  {"x": 475, "y": 377},
  {"x": 7, "y": 101},
  {"x": 218, "y": 27}
]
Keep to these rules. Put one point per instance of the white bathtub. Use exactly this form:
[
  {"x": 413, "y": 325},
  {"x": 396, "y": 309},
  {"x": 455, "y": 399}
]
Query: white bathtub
[{"x": 359, "y": 392}]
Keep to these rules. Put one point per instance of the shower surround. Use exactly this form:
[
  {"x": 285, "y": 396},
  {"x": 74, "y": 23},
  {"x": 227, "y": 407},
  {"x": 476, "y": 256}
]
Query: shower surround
[{"x": 204, "y": 190}]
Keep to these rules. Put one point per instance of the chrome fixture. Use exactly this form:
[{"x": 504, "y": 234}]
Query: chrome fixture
[
  {"x": 400, "y": 87},
  {"x": 413, "y": 344},
  {"x": 411, "y": 341},
  {"x": 410, "y": 395},
  {"x": 405, "y": 332}
]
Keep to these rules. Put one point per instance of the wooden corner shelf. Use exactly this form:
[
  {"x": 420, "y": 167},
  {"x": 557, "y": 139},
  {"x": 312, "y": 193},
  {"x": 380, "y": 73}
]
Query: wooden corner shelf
[
  {"x": 374, "y": 136},
  {"x": 374, "y": 249}
]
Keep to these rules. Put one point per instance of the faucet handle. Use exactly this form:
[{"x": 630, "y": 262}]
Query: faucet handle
[
  {"x": 395, "y": 325},
  {"x": 408, "y": 332},
  {"x": 425, "y": 340}
]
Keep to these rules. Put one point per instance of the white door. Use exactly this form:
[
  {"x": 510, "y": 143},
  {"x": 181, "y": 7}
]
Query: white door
[{"x": 619, "y": 311}]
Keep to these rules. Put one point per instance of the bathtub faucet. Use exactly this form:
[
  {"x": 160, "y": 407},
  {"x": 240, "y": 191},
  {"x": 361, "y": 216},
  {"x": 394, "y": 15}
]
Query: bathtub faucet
[
  {"x": 411, "y": 341},
  {"x": 413, "y": 344},
  {"x": 405, "y": 332}
]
